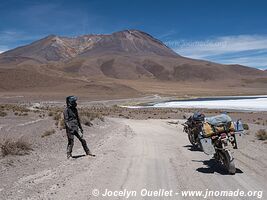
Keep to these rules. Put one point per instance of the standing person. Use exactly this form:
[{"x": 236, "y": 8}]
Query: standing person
[{"x": 72, "y": 123}]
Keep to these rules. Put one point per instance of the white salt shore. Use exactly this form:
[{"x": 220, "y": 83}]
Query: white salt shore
[
  {"x": 258, "y": 104},
  {"x": 253, "y": 103}
]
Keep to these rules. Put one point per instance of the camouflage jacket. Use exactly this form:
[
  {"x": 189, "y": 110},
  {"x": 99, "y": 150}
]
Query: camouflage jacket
[{"x": 72, "y": 120}]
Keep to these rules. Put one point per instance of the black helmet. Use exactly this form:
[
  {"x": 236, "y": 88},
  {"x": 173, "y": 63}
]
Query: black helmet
[
  {"x": 198, "y": 116},
  {"x": 71, "y": 101}
]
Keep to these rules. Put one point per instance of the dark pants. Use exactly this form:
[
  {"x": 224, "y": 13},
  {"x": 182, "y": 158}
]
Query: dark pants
[{"x": 71, "y": 142}]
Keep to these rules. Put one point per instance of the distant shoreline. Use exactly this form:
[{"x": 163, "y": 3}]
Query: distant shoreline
[{"x": 227, "y": 103}]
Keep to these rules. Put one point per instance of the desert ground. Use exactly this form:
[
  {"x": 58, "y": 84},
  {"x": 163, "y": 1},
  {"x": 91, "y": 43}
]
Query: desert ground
[{"x": 135, "y": 149}]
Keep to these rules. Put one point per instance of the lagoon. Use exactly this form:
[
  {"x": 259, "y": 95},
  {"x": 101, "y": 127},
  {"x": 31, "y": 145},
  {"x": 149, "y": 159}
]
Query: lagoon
[{"x": 245, "y": 103}]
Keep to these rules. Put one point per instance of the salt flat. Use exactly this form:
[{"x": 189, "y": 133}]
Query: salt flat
[{"x": 256, "y": 104}]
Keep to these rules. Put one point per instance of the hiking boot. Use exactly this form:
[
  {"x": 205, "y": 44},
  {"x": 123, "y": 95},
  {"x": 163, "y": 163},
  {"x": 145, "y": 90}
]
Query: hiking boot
[{"x": 90, "y": 154}]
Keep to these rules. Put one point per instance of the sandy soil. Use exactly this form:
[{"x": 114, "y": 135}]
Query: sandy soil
[
  {"x": 131, "y": 154},
  {"x": 107, "y": 89}
]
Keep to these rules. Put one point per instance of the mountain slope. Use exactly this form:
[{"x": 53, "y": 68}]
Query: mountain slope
[
  {"x": 120, "y": 57},
  {"x": 131, "y": 42},
  {"x": 173, "y": 68},
  {"x": 50, "y": 48},
  {"x": 54, "y": 48}
]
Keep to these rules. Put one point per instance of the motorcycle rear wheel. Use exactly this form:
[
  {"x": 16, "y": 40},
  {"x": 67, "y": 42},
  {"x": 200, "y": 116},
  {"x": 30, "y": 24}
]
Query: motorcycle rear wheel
[{"x": 228, "y": 161}]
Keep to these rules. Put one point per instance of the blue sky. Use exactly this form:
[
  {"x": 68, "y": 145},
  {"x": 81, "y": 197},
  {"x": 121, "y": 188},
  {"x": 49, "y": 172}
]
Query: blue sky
[{"x": 222, "y": 31}]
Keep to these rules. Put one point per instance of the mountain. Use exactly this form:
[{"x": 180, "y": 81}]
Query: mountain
[
  {"x": 116, "y": 60},
  {"x": 55, "y": 48}
]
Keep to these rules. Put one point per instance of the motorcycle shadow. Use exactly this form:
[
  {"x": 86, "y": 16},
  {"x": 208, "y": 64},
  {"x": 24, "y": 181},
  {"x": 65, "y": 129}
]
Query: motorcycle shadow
[
  {"x": 192, "y": 148},
  {"x": 214, "y": 166}
]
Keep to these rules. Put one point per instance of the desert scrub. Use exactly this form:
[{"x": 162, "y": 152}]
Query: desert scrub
[
  {"x": 60, "y": 124},
  {"x": 23, "y": 114},
  {"x": 15, "y": 147},
  {"x": 86, "y": 116},
  {"x": 245, "y": 126},
  {"x": 18, "y": 110},
  {"x": 3, "y": 114},
  {"x": 48, "y": 132},
  {"x": 50, "y": 114},
  {"x": 58, "y": 117},
  {"x": 261, "y": 134},
  {"x": 92, "y": 115},
  {"x": 14, "y": 108},
  {"x": 86, "y": 121}
]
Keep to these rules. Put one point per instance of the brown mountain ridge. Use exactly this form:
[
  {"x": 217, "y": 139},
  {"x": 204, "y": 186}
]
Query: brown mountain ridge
[{"x": 119, "y": 61}]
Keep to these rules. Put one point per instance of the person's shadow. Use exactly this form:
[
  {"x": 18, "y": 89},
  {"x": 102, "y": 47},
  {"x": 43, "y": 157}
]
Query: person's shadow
[
  {"x": 213, "y": 166},
  {"x": 78, "y": 156}
]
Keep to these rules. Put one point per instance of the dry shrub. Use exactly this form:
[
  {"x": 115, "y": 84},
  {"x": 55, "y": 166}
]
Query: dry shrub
[
  {"x": 61, "y": 124},
  {"x": 50, "y": 114},
  {"x": 58, "y": 117},
  {"x": 86, "y": 117},
  {"x": 14, "y": 108},
  {"x": 23, "y": 114},
  {"x": 3, "y": 114},
  {"x": 261, "y": 134},
  {"x": 86, "y": 120},
  {"x": 18, "y": 110},
  {"x": 245, "y": 126},
  {"x": 48, "y": 132},
  {"x": 15, "y": 147}
]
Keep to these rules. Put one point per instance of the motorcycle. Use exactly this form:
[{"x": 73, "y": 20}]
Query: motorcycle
[
  {"x": 193, "y": 126},
  {"x": 219, "y": 146}
]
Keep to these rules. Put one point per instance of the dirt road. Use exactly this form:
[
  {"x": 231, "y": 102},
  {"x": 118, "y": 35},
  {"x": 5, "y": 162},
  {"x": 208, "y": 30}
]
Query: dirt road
[{"x": 134, "y": 156}]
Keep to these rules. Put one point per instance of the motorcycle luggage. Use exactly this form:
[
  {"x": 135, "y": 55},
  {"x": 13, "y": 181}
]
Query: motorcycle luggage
[
  {"x": 208, "y": 131},
  {"x": 207, "y": 146},
  {"x": 228, "y": 127},
  {"x": 218, "y": 120},
  {"x": 232, "y": 127}
]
